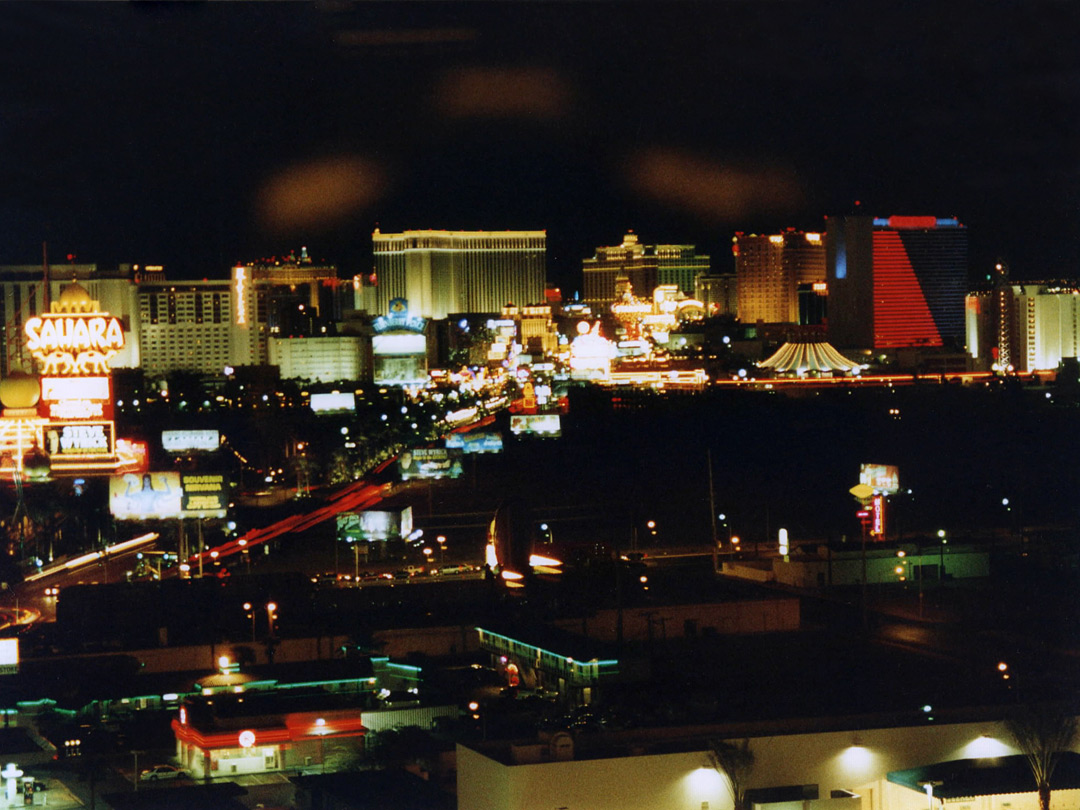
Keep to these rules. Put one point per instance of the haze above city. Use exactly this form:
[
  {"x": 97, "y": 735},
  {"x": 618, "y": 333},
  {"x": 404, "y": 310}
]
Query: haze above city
[{"x": 198, "y": 135}]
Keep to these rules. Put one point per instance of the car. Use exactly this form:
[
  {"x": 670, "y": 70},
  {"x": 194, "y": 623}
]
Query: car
[{"x": 158, "y": 772}]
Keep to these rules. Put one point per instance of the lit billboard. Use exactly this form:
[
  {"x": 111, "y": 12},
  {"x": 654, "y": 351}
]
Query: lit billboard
[
  {"x": 334, "y": 402},
  {"x": 79, "y": 439},
  {"x": 150, "y": 495},
  {"x": 429, "y": 462},
  {"x": 883, "y": 478},
  {"x": 76, "y": 398},
  {"x": 205, "y": 495},
  {"x": 162, "y": 495},
  {"x": 477, "y": 441},
  {"x": 537, "y": 424},
  {"x": 374, "y": 525},
  {"x": 186, "y": 441},
  {"x": 400, "y": 369},
  {"x": 9, "y": 656}
]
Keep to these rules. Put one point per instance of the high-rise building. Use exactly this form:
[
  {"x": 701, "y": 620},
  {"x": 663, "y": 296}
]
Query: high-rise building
[
  {"x": 205, "y": 326},
  {"x": 896, "y": 282},
  {"x": 439, "y": 272},
  {"x": 189, "y": 326},
  {"x": 769, "y": 270},
  {"x": 1023, "y": 327},
  {"x": 644, "y": 266}
]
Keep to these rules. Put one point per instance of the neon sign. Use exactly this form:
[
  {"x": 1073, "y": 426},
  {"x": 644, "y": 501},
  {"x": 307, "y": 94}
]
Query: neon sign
[
  {"x": 399, "y": 318},
  {"x": 74, "y": 344},
  {"x": 240, "y": 285}
]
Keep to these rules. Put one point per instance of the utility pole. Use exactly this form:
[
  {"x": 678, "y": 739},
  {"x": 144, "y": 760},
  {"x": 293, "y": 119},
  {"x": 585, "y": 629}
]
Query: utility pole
[{"x": 712, "y": 514}]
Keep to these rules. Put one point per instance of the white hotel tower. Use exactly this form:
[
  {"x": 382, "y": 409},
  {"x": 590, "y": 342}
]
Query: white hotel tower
[{"x": 444, "y": 272}]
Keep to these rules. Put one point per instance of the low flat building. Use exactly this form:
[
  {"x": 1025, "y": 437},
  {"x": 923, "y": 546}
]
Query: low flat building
[
  {"x": 861, "y": 763},
  {"x": 243, "y": 733}
]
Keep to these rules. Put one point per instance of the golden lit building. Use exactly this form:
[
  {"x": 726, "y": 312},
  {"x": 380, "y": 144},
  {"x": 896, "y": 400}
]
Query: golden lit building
[
  {"x": 644, "y": 266},
  {"x": 769, "y": 270},
  {"x": 444, "y": 272}
]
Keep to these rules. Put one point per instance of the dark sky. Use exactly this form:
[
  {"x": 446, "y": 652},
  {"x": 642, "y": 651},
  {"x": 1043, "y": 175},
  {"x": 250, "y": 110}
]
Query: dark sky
[{"x": 199, "y": 134}]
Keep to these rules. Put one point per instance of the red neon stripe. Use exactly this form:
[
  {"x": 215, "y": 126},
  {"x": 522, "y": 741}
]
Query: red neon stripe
[{"x": 901, "y": 315}]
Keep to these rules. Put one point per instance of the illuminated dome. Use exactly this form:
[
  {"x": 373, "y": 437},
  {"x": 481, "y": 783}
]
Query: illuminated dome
[
  {"x": 20, "y": 390},
  {"x": 75, "y": 298}
]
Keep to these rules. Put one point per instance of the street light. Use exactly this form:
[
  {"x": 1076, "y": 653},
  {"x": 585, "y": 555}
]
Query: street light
[
  {"x": 441, "y": 540},
  {"x": 247, "y": 556},
  {"x": 270, "y": 616},
  {"x": 427, "y": 554},
  {"x": 251, "y": 615}
]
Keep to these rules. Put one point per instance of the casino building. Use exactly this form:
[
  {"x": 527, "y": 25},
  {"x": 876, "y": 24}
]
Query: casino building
[
  {"x": 440, "y": 272},
  {"x": 643, "y": 266},
  {"x": 895, "y": 282},
  {"x": 1023, "y": 327},
  {"x": 769, "y": 269}
]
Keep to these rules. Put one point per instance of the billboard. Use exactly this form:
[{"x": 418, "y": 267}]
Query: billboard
[
  {"x": 374, "y": 525},
  {"x": 79, "y": 439},
  {"x": 537, "y": 424},
  {"x": 204, "y": 495},
  {"x": 149, "y": 495},
  {"x": 477, "y": 441},
  {"x": 184, "y": 441},
  {"x": 9, "y": 656},
  {"x": 429, "y": 462},
  {"x": 76, "y": 398},
  {"x": 883, "y": 478},
  {"x": 161, "y": 495},
  {"x": 335, "y": 402},
  {"x": 400, "y": 370}
]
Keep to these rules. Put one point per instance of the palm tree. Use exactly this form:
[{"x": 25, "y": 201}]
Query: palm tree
[
  {"x": 1042, "y": 732},
  {"x": 734, "y": 760}
]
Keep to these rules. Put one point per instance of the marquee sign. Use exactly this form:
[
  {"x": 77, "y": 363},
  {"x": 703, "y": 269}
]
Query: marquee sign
[
  {"x": 74, "y": 344},
  {"x": 76, "y": 398},
  {"x": 398, "y": 318},
  {"x": 68, "y": 440}
]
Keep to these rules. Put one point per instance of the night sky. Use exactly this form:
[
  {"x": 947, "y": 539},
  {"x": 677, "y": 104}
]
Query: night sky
[{"x": 200, "y": 134}]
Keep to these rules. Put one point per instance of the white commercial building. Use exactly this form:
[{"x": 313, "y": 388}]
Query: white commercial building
[
  {"x": 1029, "y": 327},
  {"x": 319, "y": 359},
  {"x": 857, "y": 768}
]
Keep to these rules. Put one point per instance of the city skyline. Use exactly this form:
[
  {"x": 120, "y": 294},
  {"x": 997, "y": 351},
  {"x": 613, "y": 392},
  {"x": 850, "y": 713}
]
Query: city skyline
[{"x": 199, "y": 135}]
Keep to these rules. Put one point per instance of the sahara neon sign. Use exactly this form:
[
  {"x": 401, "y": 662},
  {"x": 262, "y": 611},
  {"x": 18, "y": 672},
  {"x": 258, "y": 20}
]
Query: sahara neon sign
[{"x": 74, "y": 345}]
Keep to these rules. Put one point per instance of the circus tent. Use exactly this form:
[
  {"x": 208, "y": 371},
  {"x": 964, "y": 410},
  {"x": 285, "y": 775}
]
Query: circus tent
[{"x": 801, "y": 358}]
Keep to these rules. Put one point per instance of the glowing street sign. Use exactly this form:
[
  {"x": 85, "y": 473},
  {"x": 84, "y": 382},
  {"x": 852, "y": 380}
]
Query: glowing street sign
[{"x": 877, "y": 510}]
